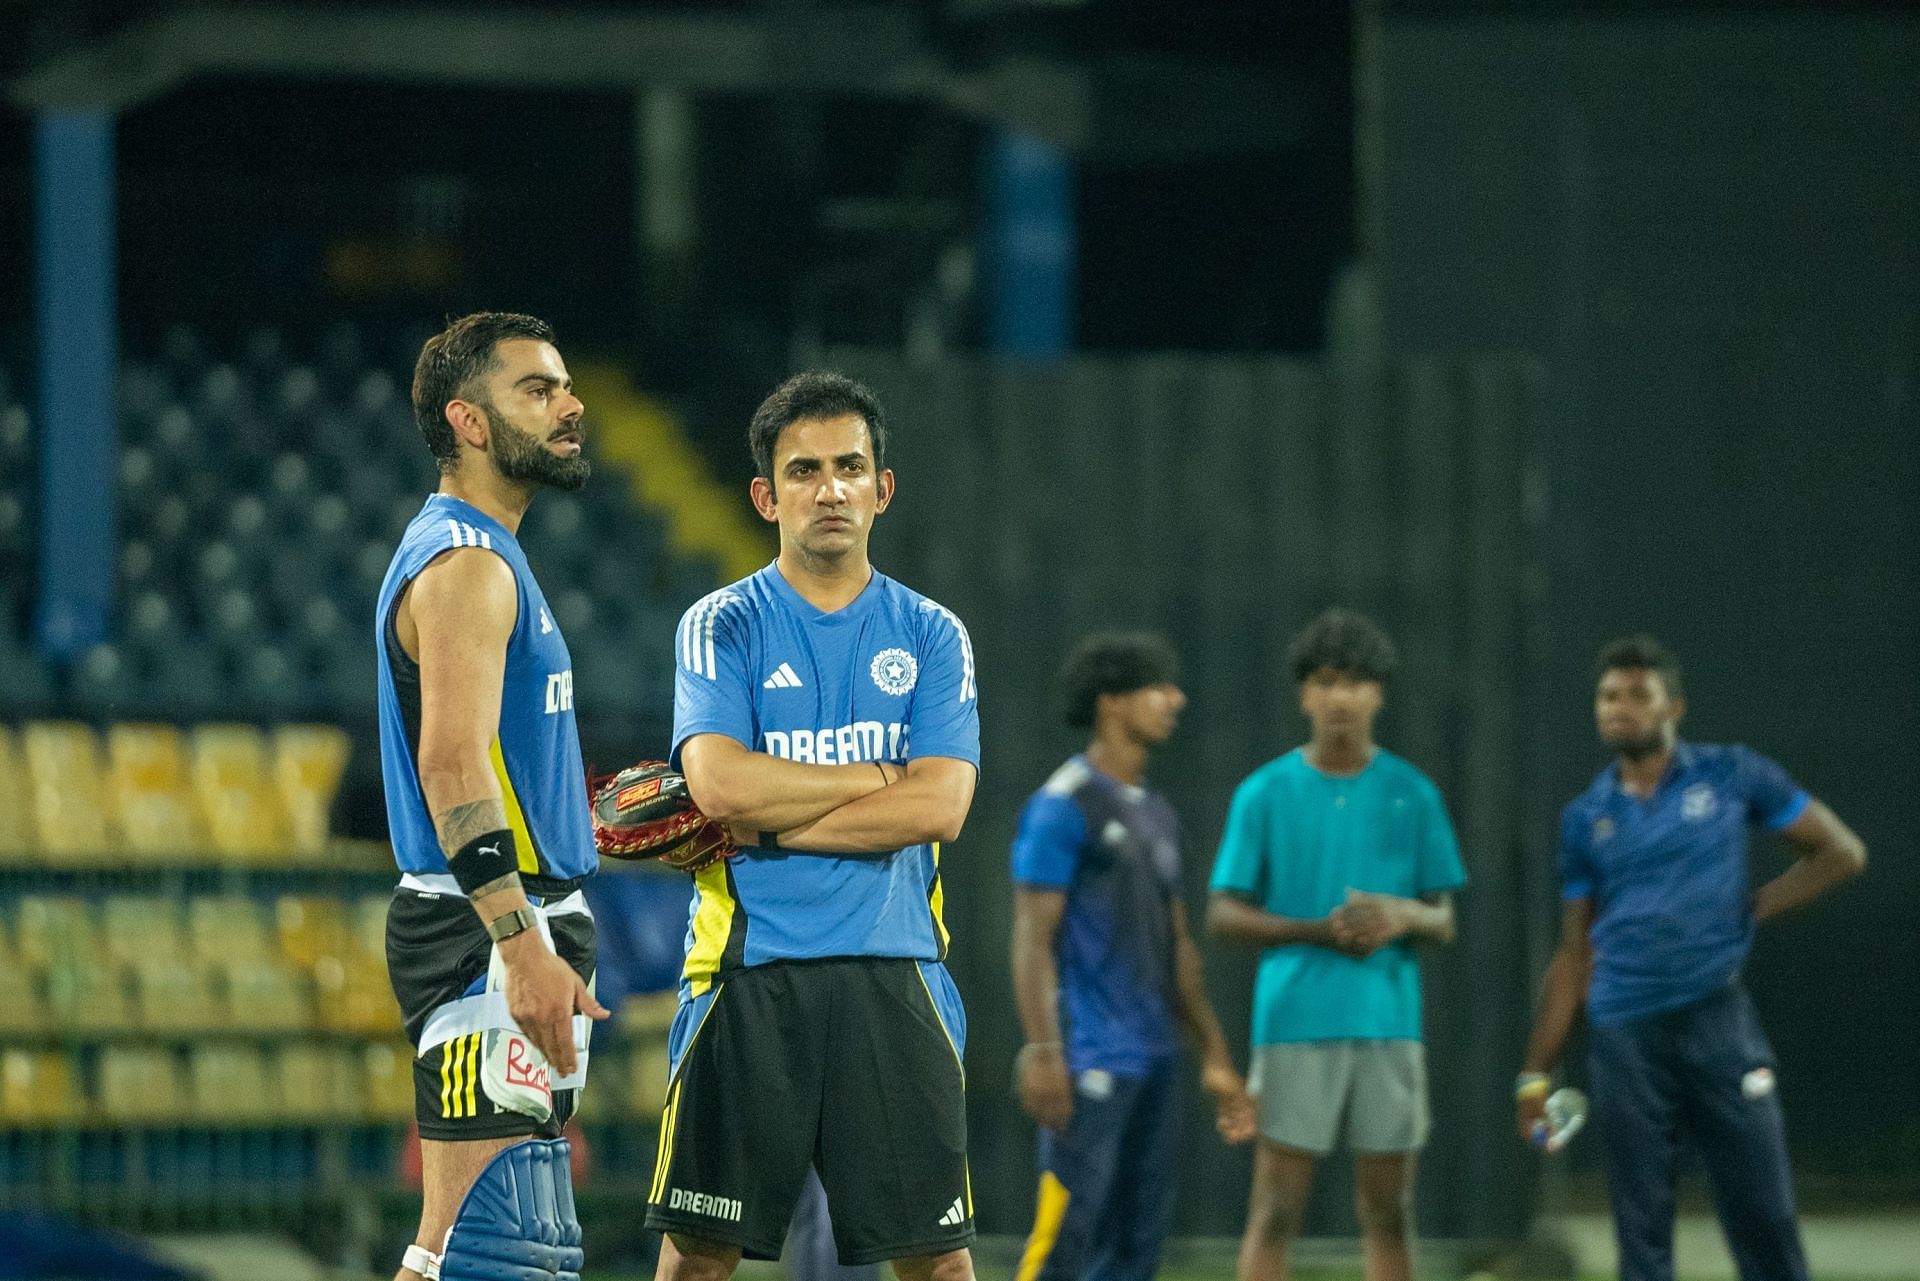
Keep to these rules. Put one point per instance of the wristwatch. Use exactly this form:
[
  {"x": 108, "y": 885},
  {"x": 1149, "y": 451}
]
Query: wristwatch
[{"x": 507, "y": 924}]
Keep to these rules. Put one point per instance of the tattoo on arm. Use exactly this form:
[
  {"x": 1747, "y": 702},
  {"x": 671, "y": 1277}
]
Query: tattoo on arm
[
  {"x": 511, "y": 881},
  {"x": 459, "y": 824}
]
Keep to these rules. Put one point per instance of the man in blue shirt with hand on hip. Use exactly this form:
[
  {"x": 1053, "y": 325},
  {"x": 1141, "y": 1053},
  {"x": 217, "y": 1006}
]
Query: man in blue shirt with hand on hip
[
  {"x": 1656, "y": 920},
  {"x": 1336, "y": 857}
]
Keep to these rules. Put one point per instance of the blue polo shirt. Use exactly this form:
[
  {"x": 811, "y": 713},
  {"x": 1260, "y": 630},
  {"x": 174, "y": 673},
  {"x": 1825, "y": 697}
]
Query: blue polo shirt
[{"x": 1672, "y": 917}]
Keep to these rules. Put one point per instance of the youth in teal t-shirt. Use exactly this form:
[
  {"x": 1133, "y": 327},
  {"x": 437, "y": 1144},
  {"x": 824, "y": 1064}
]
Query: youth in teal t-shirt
[{"x": 1296, "y": 841}]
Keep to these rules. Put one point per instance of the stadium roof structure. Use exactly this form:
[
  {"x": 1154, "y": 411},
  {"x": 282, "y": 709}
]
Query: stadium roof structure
[{"x": 1088, "y": 99}]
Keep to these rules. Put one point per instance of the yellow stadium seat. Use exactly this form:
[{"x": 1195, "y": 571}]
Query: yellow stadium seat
[
  {"x": 229, "y": 928},
  {"x": 153, "y": 792},
  {"x": 647, "y": 1076},
  {"x": 38, "y": 1086},
  {"x": 228, "y": 1083},
  {"x": 141, "y": 928},
  {"x": 140, "y": 1083},
  {"x": 267, "y": 996},
  {"x": 353, "y": 995},
  {"x": 18, "y": 840},
  {"x": 55, "y": 930},
  {"x": 310, "y": 928},
  {"x": 318, "y": 1082},
  {"x": 245, "y": 819},
  {"x": 370, "y": 925},
  {"x": 22, "y": 1009},
  {"x": 389, "y": 1081},
  {"x": 73, "y": 820},
  {"x": 176, "y": 996},
  {"x": 89, "y": 998},
  {"x": 308, "y": 761}
]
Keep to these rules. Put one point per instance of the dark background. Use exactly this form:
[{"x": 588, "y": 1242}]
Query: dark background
[{"x": 1685, "y": 238}]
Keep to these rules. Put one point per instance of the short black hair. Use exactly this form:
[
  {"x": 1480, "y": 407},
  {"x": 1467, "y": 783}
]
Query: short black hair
[
  {"x": 817, "y": 393},
  {"x": 1640, "y": 652},
  {"x": 1113, "y": 663},
  {"x": 1348, "y": 642},
  {"x": 451, "y": 360}
]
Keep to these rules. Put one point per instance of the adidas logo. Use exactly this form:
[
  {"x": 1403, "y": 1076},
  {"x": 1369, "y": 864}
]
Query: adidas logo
[
  {"x": 784, "y": 677},
  {"x": 956, "y": 1214}
]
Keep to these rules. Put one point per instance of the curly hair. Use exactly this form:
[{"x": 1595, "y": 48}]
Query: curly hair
[
  {"x": 1113, "y": 663},
  {"x": 1348, "y": 642}
]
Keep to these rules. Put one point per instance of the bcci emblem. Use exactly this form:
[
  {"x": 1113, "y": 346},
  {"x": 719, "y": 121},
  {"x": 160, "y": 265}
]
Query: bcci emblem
[
  {"x": 1602, "y": 831},
  {"x": 1697, "y": 802},
  {"x": 894, "y": 671}
]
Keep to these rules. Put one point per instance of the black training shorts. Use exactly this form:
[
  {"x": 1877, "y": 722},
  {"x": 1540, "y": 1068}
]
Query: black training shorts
[
  {"x": 437, "y": 952},
  {"x": 850, "y": 1064}
]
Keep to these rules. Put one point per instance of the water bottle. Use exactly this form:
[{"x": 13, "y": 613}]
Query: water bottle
[{"x": 1566, "y": 1110}]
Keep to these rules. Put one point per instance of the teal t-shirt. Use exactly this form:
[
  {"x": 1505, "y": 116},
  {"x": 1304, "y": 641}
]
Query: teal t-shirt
[{"x": 1296, "y": 841}]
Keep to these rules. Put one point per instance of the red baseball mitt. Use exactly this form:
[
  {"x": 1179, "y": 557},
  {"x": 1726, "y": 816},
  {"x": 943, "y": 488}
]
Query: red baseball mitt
[{"x": 645, "y": 811}]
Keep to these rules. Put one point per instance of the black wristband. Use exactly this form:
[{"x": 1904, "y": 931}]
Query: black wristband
[
  {"x": 484, "y": 858},
  {"x": 769, "y": 840}
]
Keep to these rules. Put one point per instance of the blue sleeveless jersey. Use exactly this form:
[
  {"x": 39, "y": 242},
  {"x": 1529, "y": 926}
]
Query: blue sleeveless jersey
[
  {"x": 536, "y": 750},
  {"x": 887, "y": 678}
]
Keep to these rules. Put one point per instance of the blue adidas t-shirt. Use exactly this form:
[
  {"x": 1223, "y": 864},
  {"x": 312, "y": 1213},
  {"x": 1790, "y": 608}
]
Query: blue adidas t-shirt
[
  {"x": 536, "y": 751},
  {"x": 1115, "y": 850},
  {"x": 889, "y": 677},
  {"x": 1668, "y": 875},
  {"x": 1296, "y": 841}
]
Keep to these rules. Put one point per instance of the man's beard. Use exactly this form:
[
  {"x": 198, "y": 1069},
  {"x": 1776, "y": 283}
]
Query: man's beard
[
  {"x": 1641, "y": 747},
  {"x": 522, "y": 456}
]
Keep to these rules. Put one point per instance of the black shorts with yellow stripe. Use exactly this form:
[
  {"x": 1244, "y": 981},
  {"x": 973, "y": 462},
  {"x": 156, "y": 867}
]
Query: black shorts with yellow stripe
[
  {"x": 437, "y": 953},
  {"x": 851, "y": 1065}
]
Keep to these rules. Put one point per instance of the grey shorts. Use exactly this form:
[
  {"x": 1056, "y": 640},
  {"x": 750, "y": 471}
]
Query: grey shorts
[{"x": 1304, "y": 1089}]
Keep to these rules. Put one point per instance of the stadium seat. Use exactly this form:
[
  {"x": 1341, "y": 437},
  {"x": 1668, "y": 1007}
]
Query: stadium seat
[
  {"x": 316, "y": 1082},
  {"x": 389, "y": 1081},
  {"x": 311, "y": 928},
  {"x": 308, "y": 761},
  {"x": 139, "y": 1083},
  {"x": 244, "y": 817},
  {"x": 71, "y": 807},
  {"x": 38, "y": 1087},
  {"x": 17, "y": 838},
  {"x": 176, "y": 997},
  {"x": 229, "y": 928},
  {"x": 370, "y": 923},
  {"x": 228, "y": 1083},
  {"x": 23, "y": 1011},
  {"x": 152, "y": 792},
  {"x": 52, "y": 930},
  {"x": 137, "y": 928},
  {"x": 265, "y": 995},
  {"x": 89, "y": 997},
  {"x": 646, "y": 1078},
  {"x": 352, "y": 994}
]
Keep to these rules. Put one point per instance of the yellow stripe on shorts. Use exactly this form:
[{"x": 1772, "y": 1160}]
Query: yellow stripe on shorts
[
  {"x": 473, "y": 1071},
  {"x": 1047, "y": 1218},
  {"x": 449, "y": 1096},
  {"x": 663, "y": 1158}
]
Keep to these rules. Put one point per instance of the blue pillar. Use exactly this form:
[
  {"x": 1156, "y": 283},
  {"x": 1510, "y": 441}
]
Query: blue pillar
[
  {"x": 76, "y": 320},
  {"x": 1028, "y": 247}
]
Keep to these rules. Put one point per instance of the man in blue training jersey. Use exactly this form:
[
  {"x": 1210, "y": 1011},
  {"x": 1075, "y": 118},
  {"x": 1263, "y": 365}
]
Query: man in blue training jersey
[
  {"x": 828, "y": 715},
  {"x": 1107, "y": 978},
  {"x": 1336, "y": 858},
  {"x": 1656, "y": 920},
  {"x": 489, "y": 941}
]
